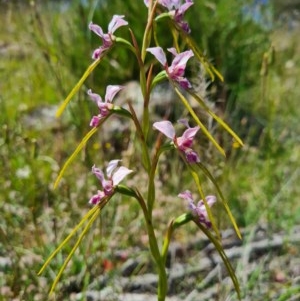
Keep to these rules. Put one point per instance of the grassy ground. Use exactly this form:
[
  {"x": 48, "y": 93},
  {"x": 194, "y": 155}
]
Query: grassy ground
[{"x": 39, "y": 64}]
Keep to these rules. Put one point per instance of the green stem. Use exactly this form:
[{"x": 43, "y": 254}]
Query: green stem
[
  {"x": 154, "y": 249},
  {"x": 167, "y": 241},
  {"x": 148, "y": 30},
  {"x": 140, "y": 133}
]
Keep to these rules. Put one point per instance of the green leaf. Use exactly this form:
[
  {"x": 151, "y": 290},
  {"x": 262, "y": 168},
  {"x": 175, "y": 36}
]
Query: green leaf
[
  {"x": 121, "y": 112},
  {"x": 162, "y": 75},
  {"x": 125, "y": 190},
  {"x": 126, "y": 44},
  {"x": 182, "y": 220}
]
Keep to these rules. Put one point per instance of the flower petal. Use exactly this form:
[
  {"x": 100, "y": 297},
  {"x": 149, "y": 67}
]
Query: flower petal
[
  {"x": 120, "y": 174},
  {"x": 190, "y": 133},
  {"x": 191, "y": 155},
  {"x": 184, "y": 121},
  {"x": 112, "y": 165},
  {"x": 116, "y": 22},
  {"x": 96, "y": 199},
  {"x": 183, "y": 82},
  {"x": 183, "y": 8},
  {"x": 169, "y": 4},
  {"x": 184, "y": 26},
  {"x": 96, "y": 29},
  {"x": 186, "y": 140},
  {"x": 98, "y": 173},
  {"x": 95, "y": 121},
  {"x": 210, "y": 199},
  {"x": 159, "y": 54},
  {"x": 111, "y": 91},
  {"x": 179, "y": 63},
  {"x": 186, "y": 195},
  {"x": 98, "y": 52},
  {"x": 173, "y": 51},
  {"x": 94, "y": 97},
  {"x": 166, "y": 128}
]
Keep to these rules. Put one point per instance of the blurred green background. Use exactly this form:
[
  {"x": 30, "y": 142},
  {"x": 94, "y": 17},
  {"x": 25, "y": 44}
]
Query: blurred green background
[{"x": 45, "y": 47}]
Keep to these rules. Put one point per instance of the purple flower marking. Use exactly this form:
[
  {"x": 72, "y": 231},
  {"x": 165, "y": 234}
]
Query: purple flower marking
[
  {"x": 107, "y": 38},
  {"x": 199, "y": 209},
  {"x": 114, "y": 177},
  {"x": 184, "y": 142},
  {"x": 177, "y": 68},
  {"x": 176, "y": 11},
  {"x": 104, "y": 106}
]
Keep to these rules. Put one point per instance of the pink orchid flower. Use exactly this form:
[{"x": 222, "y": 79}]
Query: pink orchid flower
[
  {"x": 104, "y": 106},
  {"x": 184, "y": 142},
  {"x": 114, "y": 177},
  {"x": 199, "y": 210},
  {"x": 176, "y": 11},
  {"x": 177, "y": 68},
  {"x": 107, "y": 38}
]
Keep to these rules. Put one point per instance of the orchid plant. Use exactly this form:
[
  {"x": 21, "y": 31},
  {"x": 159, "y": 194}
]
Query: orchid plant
[{"x": 150, "y": 153}]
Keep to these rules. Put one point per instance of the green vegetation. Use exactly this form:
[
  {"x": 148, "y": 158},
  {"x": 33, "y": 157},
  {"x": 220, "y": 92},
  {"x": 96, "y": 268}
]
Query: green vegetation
[{"x": 44, "y": 49}]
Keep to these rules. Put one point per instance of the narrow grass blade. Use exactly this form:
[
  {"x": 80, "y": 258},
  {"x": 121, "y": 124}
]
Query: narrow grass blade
[
  {"x": 217, "y": 118},
  {"x": 203, "y": 128},
  {"x": 86, "y": 217},
  {"x": 210, "y": 69},
  {"x": 88, "y": 71},
  {"x": 213, "y": 180},
  {"x": 87, "y": 227},
  {"x": 118, "y": 110},
  {"x": 224, "y": 257},
  {"x": 72, "y": 157}
]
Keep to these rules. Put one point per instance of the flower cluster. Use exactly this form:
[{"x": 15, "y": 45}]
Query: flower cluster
[
  {"x": 184, "y": 142},
  {"x": 114, "y": 177},
  {"x": 176, "y": 70},
  {"x": 199, "y": 210},
  {"x": 176, "y": 11},
  {"x": 104, "y": 106},
  {"x": 107, "y": 38}
]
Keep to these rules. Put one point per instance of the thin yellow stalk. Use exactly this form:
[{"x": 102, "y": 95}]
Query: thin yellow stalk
[
  {"x": 91, "y": 212},
  {"x": 87, "y": 227},
  {"x": 225, "y": 203},
  {"x": 88, "y": 71},
  {"x": 72, "y": 157},
  {"x": 217, "y": 118},
  {"x": 210, "y": 216},
  {"x": 203, "y": 128},
  {"x": 224, "y": 257}
]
